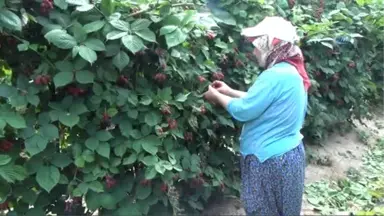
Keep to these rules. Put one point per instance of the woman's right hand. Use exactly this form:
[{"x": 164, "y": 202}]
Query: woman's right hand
[{"x": 222, "y": 87}]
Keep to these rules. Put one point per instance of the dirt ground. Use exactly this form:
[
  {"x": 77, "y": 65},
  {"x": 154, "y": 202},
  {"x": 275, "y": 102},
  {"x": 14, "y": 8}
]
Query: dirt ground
[{"x": 330, "y": 162}]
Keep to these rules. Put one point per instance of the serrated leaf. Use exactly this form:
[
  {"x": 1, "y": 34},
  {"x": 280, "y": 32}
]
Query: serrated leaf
[
  {"x": 15, "y": 120},
  {"x": 150, "y": 144},
  {"x": 87, "y": 54},
  {"x": 150, "y": 173},
  {"x": 167, "y": 29},
  {"x": 78, "y": 108},
  {"x": 150, "y": 160},
  {"x": 85, "y": 7},
  {"x": 84, "y": 77},
  {"x": 152, "y": 118},
  {"x": 133, "y": 43},
  {"x": 69, "y": 119},
  {"x": 104, "y": 149},
  {"x": 147, "y": 35},
  {"x": 10, "y": 20},
  {"x": 61, "y": 39},
  {"x": 140, "y": 24},
  {"x": 175, "y": 38},
  {"x": 62, "y": 79},
  {"x": 36, "y": 144},
  {"x": 120, "y": 25},
  {"x": 62, "y": 4},
  {"x": 13, "y": 173},
  {"x": 125, "y": 128},
  {"x": 92, "y": 143},
  {"x": 61, "y": 160},
  {"x": 143, "y": 192},
  {"x": 131, "y": 159},
  {"x": 78, "y": 2},
  {"x": 48, "y": 177},
  {"x": 94, "y": 26},
  {"x": 50, "y": 131},
  {"x": 103, "y": 136},
  {"x": 121, "y": 60},
  {"x": 182, "y": 97},
  {"x": 113, "y": 35},
  {"x": 95, "y": 44},
  {"x": 96, "y": 186},
  {"x": 4, "y": 159}
]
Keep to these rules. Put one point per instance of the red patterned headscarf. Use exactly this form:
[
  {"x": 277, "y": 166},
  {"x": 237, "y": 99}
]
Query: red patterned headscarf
[{"x": 274, "y": 39}]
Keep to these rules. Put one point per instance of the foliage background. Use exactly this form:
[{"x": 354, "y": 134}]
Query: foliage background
[{"x": 101, "y": 105}]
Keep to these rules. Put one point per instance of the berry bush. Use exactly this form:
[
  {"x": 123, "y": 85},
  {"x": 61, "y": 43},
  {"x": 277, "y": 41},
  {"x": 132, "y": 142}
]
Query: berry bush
[{"x": 101, "y": 105}]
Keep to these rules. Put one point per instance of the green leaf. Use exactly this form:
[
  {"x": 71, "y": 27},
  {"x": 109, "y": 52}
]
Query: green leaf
[
  {"x": 84, "y": 77},
  {"x": 147, "y": 35},
  {"x": 152, "y": 118},
  {"x": 175, "y": 38},
  {"x": 48, "y": 177},
  {"x": 150, "y": 144},
  {"x": 78, "y": 2},
  {"x": 133, "y": 43},
  {"x": 5, "y": 191},
  {"x": 33, "y": 99},
  {"x": 103, "y": 136},
  {"x": 143, "y": 192},
  {"x": 10, "y": 20},
  {"x": 62, "y": 4},
  {"x": 223, "y": 17},
  {"x": 96, "y": 186},
  {"x": 95, "y": 44},
  {"x": 85, "y": 7},
  {"x": 62, "y": 79},
  {"x": 108, "y": 7},
  {"x": 69, "y": 119},
  {"x": 36, "y": 144},
  {"x": 92, "y": 143},
  {"x": 120, "y": 25},
  {"x": 78, "y": 108},
  {"x": 94, "y": 26},
  {"x": 125, "y": 128},
  {"x": 107, "y": 201},
  {"x": 131, "y": 159},
  {"x": 182, "y": 97},
  {"x": 4, "y": 159},
  {"x": 104, "y": 149},
  {"x": 87, "y": 54},
  {"x": 150, "y": 160},
  {"x": 61, "y": 160},
  {"x": 140, "y": 24},
  {"x": 13, "y": 173},
  {"x": 61, "y": 39},
  {"x": 167, "y": 29},
  {"x": 150, "y": 173},
  {"x": 15, "y": 120},
  {"x": 121, "y": 60},
  {"x": 113, "y": 35},
  {"x": 50, "y": 131}
]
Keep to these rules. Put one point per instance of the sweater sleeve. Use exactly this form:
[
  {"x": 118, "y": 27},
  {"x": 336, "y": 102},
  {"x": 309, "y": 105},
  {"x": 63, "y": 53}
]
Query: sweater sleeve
[{"x": 259, "y": 97}]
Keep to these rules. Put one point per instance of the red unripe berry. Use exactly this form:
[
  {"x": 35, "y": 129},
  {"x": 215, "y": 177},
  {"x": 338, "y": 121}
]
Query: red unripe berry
[
  {"x": 188, "y": 136},
  {"x": 164, "y": 188},
  {"x": 352, "y": 64},
  {"x": 160, "y": 77},
  {"x": 38, "y": 80},
  {"x": 203, "y": 110},
  {"x": 122, "y": 80},
  {"x": 201, "y": 79},
  {"x": 110, "y": 181},
  {"x": 218, "y": 76},
  {"x": 6, "y": 146},
  {"x": 4, "y": 206},
  {"x": 172, "y": 123},
  {"x": 211, "y": 35},
  {"x": 166, "y": 110}
]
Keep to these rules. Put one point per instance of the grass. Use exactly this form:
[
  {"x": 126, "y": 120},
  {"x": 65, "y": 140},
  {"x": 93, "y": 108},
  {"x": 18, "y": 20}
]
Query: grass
[{"x": 361, "y": 193}]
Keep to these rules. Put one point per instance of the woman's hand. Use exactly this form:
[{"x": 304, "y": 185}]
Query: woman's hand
[
  {"x": 211, "y": 95},
  {"x": 222, "y": 87}
]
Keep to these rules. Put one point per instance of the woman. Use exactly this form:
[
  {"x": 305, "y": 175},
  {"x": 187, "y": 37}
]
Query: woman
[{"x": 273, "y": 112}]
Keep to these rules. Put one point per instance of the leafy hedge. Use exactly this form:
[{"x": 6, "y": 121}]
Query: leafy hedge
[{"x": 101, "y": 102}]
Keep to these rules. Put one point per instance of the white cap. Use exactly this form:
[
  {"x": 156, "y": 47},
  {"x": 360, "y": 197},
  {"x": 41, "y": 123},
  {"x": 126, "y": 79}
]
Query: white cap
[{"x": 276, "y": 27}]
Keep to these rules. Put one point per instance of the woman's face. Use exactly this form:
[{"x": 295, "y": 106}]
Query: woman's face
[{"x": 259, "y": 57}]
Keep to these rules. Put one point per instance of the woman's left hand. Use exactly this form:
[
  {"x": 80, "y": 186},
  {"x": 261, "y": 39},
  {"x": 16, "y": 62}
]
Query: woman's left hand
[{"x": 211, "y": 94}]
